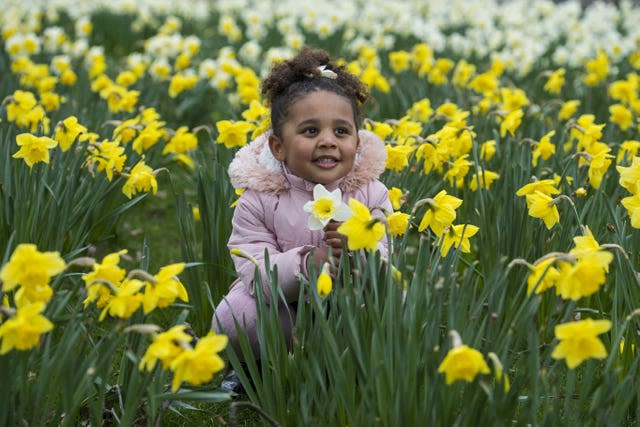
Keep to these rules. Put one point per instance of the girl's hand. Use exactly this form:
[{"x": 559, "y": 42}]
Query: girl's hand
[{"x": 333, "y": 239}]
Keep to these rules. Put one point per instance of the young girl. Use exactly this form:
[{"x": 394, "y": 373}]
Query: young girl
[{"x": 315, "y": 138}]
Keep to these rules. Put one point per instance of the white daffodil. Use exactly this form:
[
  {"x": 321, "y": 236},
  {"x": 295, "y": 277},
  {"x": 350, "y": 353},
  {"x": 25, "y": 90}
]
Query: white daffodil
[{"x": 326, "y": 205}]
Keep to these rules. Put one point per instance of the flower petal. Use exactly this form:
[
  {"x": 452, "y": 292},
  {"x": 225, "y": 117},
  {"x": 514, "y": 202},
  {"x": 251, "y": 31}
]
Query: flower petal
[{"x": 343, "y": 213}]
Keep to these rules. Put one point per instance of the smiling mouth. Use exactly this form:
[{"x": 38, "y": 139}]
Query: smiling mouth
[{"x": 326, "y": 162}]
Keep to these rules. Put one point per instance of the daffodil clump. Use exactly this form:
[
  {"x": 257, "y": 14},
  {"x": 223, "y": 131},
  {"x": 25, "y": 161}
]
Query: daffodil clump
[
  {"x": 191, "y": 360},
  {"x": 118, "y": 294},
  {"x": 30, "y": 271}
]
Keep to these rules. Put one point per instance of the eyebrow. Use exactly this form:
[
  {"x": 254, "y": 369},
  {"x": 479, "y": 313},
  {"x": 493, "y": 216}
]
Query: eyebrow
[{"x": 340, "y": 122}]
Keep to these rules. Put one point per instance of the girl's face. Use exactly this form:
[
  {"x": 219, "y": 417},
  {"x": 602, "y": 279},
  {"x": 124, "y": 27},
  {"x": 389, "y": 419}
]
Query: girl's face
[{"x": 319, "y": 137}]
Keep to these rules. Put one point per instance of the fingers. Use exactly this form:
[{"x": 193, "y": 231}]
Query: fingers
[
  {"x": 332, "y": 226},
  {"x": 332, "y": 237}
]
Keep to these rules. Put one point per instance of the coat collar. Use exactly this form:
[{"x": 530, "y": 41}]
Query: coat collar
[{"x": 255, "y": 168}]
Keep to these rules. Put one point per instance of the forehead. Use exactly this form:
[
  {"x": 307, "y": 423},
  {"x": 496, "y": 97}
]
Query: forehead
[{"x": 321, "y": 105}]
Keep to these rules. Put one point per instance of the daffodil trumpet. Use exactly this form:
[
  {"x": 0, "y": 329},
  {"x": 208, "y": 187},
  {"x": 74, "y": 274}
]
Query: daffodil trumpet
[{"x": 326, "y": 206}]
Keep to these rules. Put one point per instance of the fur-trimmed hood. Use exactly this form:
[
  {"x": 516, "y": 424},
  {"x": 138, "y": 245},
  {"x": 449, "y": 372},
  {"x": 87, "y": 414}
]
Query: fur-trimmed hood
[{"x": 255, "y": 168}]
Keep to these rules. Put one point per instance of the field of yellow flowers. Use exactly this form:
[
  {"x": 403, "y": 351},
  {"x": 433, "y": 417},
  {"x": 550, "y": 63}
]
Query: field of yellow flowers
[{"x": 511, "y": 294}]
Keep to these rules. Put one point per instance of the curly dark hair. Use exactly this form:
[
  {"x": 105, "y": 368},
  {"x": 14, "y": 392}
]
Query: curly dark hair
[{"x": 289, "y": 80}]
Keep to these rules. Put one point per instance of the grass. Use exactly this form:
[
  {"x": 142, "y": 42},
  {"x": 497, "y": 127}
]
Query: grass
[{"x": 153, "y": 223}]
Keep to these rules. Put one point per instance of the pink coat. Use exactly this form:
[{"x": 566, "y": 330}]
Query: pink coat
[{"x": 270, "y": 215}]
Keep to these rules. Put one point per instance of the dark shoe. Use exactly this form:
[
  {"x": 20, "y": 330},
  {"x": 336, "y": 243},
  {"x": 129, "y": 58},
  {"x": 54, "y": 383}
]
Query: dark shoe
[{"x": 231, "y": 383}]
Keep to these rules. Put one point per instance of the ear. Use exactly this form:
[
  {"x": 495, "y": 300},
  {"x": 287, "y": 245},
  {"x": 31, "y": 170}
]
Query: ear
[{"x": 276, "y": 147}]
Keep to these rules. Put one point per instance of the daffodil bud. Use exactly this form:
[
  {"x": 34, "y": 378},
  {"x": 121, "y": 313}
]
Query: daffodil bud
[{"x": 325, "y": 283}]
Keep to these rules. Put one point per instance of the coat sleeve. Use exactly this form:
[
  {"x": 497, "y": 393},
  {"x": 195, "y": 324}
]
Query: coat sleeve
[{"x": 251, "y": 234}]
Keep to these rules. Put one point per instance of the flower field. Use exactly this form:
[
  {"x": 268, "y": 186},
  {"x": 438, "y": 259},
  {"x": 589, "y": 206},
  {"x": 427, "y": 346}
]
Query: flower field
[{"x": 511, "y": 293}]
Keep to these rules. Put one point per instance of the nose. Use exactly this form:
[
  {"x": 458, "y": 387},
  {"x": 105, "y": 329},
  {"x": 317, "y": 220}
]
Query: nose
[{"x": 327, "y": 140}]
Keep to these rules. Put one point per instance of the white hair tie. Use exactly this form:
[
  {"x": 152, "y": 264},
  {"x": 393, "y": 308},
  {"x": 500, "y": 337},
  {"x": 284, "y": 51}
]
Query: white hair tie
[{"x": 325, "y": 72}]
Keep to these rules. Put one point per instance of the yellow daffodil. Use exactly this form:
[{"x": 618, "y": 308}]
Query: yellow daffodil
[
  {"x": 568, "y": 109},
  {"x": 623, "y": 90},
  {"x": 181, "y": 82},
  {"x": 545, "y": 148},
  {"x": 181, "y": 142},
  {"x": 165, "y": 289},
  {"x": 579, "y": 341},
  {"x": 485, "y": 178},
  {"x": 486, "y": 83},
  {"x": 396, "y": 197},
  {"x": 632, "y": 205},
  {"x": 457, "y": 171},
  {"x": 23, "y": 331},
  {"x": 125, "y": 301},
  {"x": 326, "y": 206},
  {"x": 405, "y": 131},
  {"x": 545, "y": 186},
  {"x": 543, "y": 207},
  {"x": 584, "y": 244},
  {"x": 256, "y": 111},
  {"x": 399, "y": 61},
  {"x": 68, "y": 77},
  {"x": 67, "y": 131},
  {"x": 448, "y": 110},
  {"x": 325, "y": 283},
  {"x": 106, "y": 273},
  {"x": 458, "y": 237},
  {"x": 420, "y": 111},
  {"x": 397, "y": 156},
  {"x": 239, "y": 192},
  {"x": 149, "y": 136},
  {"x": 383, "y": 130},
  {"x": 621, "y": 116},
  {"x": 33, "y": 149},
  {"x": 372, "y": 77},
  {"x": 498, "y": 369},
  {"x": 248, "y": 84},
  {"x": 20, "y": 103},
  {"x": 165, "y": 347},
  {"x": 586, "y": 131},
  {"x": 597, "y": 69},
  {"x": 362, "y": 230},
  {"x": 555, "y": 81},
  {"x": 628, "y": 150},
  {"x": 463, "y": 73},
  {"x": 542, "y": 276},
  {"x": 107, "y": 156},
  {"x": 430, "y": 156},
  {"x": 463, "y": 363},
  {"x": 141, "y": 178},
  {"x": 197, "y": 366},
  {"x": 513, "y": 99},
  {"x": 441, "y": 212},
  {"x": 438, "y": 73},
  {"x": 511, "y": 122},
  {"x": 126, "y": 131},
  {"x": 583, "y": 277},
  {"x": 233, "y": 134},
  {"x": 32, "y": 270},
  {"x": 599, "y": 163},
  {"x": 630, "y": 176},
  {"x": 51, "y": 100},
  {"x": 488, "y": 150},
  {"x": 398, "y": 223}
]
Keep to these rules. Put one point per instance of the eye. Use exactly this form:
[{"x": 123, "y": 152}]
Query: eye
[
  {"x": 310, "y": 131},
  {"x": 342, "y": 131}
]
